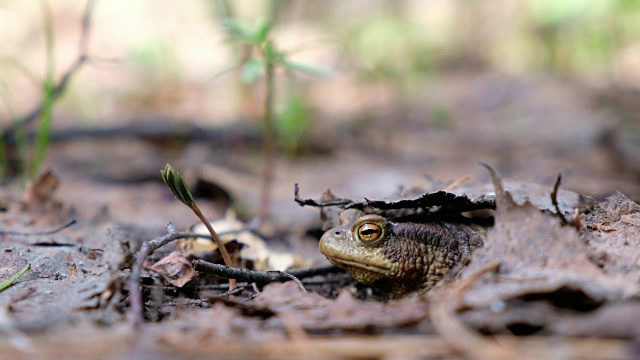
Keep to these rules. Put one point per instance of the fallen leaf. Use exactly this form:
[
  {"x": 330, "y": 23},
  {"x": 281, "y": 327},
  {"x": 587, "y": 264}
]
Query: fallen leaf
[
  {"x": 175, "y": 269},
  {"x": 545, "y": 272},
  {"x": 41, "y": 190}
]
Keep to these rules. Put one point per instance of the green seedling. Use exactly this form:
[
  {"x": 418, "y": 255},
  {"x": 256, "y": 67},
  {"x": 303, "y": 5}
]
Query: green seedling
[
  {"x": 14, "y": 278},
  {"x": 180, "y": 190}
]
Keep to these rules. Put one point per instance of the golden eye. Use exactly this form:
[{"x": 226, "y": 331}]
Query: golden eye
[{"x": 369, "y": 232}]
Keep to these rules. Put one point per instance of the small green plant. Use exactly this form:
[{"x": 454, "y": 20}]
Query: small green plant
[
  {"x": 261, "y": 58},
  {"x": 180, "y": 190},
  {"x": 14, "y": 278}
]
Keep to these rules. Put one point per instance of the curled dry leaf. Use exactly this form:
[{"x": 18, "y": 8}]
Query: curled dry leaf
[
  {"x": 175, "y": 269},
  {"x": 541, "y": 263},
  {"x": 254, "y": 249}
]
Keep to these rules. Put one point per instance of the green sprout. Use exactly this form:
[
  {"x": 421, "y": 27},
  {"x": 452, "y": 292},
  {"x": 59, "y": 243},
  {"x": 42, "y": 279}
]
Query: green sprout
[
  {"x": 14, "y": 278},
  {"x": 180, "y": 190}
]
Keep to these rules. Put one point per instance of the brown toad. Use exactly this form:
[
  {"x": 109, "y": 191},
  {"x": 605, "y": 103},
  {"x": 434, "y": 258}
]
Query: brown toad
[{"x": 398, "y": 257}]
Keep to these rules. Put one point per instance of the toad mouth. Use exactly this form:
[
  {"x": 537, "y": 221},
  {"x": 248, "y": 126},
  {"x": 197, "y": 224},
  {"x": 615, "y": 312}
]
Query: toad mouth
[{"x": 351, "y": 263}]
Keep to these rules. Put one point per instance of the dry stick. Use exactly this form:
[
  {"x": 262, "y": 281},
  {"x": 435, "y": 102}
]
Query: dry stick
[
  {"x": 554, "y": 199},
  {"x": 61, "y": 87},
  {"x": 311, "y": 202},
  {"x": 148, "y": 247},
  {"x": 307, "y": 273},
  {"x": 39, "y": 233},
  {"x": 262, "y": 277},
  {"x": 457, "y": 182},
  {"x": 258, "y": 277},
  {"x": 291, "y": 277}
]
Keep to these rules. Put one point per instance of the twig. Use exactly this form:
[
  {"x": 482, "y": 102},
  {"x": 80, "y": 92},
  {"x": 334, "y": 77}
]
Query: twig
[
  {"x": 262, "y": 277},
  {"x": 220, "y": 270},
  {"x": 291, "y": 277},
  {"x": 40, "y": 233},
  {"x": 311, "y": 202},
  {"x": 234, "y": 291},
  {"x": 14, "y": 278},
  {"x": 148, "y": 247},
  {"x": 554, "y": 199},
  {"x": 457, "y": 182},
  {"x": 258, "y": 277},
  {"x": 307, "y": 273},
  {"x": 61, "y": 86}
]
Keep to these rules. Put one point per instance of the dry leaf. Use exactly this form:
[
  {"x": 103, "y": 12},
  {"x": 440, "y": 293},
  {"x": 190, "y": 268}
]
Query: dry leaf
[
  {"x": 175, "y": 269},
  {"x": 254, "y": 249},
  {"x": 40, "y": 191}
]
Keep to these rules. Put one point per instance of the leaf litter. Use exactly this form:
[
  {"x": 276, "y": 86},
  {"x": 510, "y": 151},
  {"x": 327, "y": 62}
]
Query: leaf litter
[{"x": 533, "y": 277}]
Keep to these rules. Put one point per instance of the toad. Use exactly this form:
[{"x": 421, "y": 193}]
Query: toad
[{"x": 400, "y": 258}]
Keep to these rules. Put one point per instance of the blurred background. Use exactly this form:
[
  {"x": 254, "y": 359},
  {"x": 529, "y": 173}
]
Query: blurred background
[{"x": 367, "y": 97}]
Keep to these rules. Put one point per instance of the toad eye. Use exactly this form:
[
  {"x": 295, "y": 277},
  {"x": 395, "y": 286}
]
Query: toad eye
[{"x": 369, "y": 232}]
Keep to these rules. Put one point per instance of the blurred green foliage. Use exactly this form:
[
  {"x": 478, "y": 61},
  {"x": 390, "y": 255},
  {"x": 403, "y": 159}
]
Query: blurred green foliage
[
  {"x": 387, "y": 47},
  {"x": 260, "y": 57},
  {"x": 263, "y": 51},
  {"x": 295, "y": 122},
  {"x": 156, "y": 58},
  {"x": 581, "y": 37}
]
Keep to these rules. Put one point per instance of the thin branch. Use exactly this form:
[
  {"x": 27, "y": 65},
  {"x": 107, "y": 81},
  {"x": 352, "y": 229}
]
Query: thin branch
[
  {"x": 148, "y": 247},
  {"x": 554, "y": 199},
  {"x": 258, "y": 277},
  {"x": 457, "y": 182},
  {"x": 40, "y": 233},
  {"x": 307, "y": 273},
  {"x": 262, "y": 277},
  {"x": 291, "y": 277},
  {"x": 311, "y": 202}
]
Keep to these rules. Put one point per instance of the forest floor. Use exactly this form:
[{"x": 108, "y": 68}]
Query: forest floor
[{"x": 560, "y": 291}]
